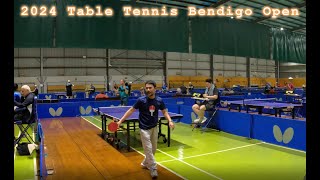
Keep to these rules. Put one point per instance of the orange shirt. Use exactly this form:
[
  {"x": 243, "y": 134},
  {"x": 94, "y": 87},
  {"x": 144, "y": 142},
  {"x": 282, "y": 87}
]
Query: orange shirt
[{"x": 101, "y": 96}]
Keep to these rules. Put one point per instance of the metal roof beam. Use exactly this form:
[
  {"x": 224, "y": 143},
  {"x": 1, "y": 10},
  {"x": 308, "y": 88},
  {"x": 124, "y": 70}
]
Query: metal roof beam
[
  {"x": 219, "y": 3},
  {"x": 298, "y": 28},
  {"x": 285, "y": 5},
  {"x": 189, "y": 3},
  {"x": 161, "y": 3}
]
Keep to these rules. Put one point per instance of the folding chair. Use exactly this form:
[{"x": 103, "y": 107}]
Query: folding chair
[
  {"x": 24, "y": 125},
  {"x": 210, "y": 121}
]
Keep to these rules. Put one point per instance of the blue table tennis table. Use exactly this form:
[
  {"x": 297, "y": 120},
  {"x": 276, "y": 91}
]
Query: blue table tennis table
[
  {"x": 116, "y": 113},
  {"x": 268, "y": 103}
]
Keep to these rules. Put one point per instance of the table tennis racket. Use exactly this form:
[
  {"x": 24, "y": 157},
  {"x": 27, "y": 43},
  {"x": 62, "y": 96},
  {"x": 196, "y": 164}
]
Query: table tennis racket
[{"x": 113, "y": 127}]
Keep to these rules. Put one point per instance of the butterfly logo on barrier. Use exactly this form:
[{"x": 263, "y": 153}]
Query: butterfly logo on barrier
[
  {"x": 286, "y": 137},
  {"x": 75, "y": 96},
  {"x": 57, "y": 112},
  {"x": 85, "y": 111},
  {"x": 180, "y": 102},
  {"x": 48, "y": 96}
]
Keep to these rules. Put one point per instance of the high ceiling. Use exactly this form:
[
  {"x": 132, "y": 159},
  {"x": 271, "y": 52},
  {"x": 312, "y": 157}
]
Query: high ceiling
[{"x": 295, "y": 24}]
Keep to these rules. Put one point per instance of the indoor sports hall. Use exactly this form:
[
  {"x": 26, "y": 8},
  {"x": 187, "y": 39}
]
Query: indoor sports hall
[{"x": 160, "y": 89}]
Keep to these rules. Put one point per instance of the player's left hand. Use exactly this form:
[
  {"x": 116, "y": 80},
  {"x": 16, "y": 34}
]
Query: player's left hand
[{"x": 205, "y": 95}]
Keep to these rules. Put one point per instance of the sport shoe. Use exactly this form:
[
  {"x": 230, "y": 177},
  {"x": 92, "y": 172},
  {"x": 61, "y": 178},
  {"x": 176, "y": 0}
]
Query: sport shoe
[
  {"x": 143, "y": 166},
  {"x": 196, "y": 120},
  {"x": 204, "y": 120},
  {"x": 154, "y": 173}
]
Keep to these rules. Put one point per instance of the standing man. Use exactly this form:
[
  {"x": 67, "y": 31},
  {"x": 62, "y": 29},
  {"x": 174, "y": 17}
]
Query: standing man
[
  {"x": 149, "y": 106},
  {"x": 212, "y": 94},
  {"x": 35, "y": 91},
  {"x": 123, "y": 91},
  {"x": 290, "y": 86},
  {"x": 69, "y": 89}
]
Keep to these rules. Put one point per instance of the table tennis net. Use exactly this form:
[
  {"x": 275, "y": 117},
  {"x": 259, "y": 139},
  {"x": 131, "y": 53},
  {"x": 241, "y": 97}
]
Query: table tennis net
[
  {"x": 114, "y": 109},
  {"x": 251, "y": 101}
]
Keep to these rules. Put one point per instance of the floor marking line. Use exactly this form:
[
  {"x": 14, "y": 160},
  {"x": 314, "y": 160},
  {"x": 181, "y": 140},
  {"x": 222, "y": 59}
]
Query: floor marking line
[
  {"x": 215, "y": 152},
  {"x": 190, "y": 165},
  {"x": 285, "y": 147},
  {"x": 96, "y": 119},
  {"x": 143, "y": 154},
  {"x": 90, "y": 122}
]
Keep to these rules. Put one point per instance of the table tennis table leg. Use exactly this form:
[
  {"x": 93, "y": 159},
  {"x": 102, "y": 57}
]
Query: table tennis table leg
[
  {"x": 168, "y": 135},
  {"x": 134, "y": 126},
  {"x": 103, "y": 128},
  {"x": 292, "y": 112},
  {"x": 128, "y": 136}
]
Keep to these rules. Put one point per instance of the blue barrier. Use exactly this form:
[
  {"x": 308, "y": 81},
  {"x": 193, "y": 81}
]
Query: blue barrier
[
  {"x": 285, "y": 132},
  {"x": 169, "y": 100},
  {"x": 186, "y": 111},
  {"x": 234, "y": 122},
  {"x": 42, "y": 163},
  {"x": 80, "y": 95},
  {"x": 173, "y": 108}
]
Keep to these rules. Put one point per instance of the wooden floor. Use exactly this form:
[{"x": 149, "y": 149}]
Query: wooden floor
[{"x": 75, "y": 150}]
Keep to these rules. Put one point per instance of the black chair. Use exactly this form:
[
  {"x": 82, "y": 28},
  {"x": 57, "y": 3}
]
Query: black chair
[
  {"x": 24, "y": 125},
  {"x": 210, "y": 123}
]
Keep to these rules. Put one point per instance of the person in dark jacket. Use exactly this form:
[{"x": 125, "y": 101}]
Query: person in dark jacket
[
  {"x": 35, "y": 91},
  {"x": 23, "y": 109},
  {"x": 69, "y": 89}
]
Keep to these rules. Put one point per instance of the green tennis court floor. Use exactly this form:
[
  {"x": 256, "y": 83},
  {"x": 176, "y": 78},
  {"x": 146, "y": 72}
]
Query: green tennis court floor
[
  {"x": 25, "y": 167},
  {"x": 219, "y": 155}
]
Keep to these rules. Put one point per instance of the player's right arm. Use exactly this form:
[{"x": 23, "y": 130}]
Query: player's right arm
[{"x": 126, "y": 115}]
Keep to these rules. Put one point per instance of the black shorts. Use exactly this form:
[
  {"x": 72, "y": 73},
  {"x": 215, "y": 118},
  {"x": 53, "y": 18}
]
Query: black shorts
[{"x": 208, "y": 104}]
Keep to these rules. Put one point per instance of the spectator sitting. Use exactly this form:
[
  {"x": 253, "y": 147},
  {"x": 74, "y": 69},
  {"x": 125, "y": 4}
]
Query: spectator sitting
[
  {"x": 164, "y": 88},
  {"x": 267, "y": 88},
  {"x": 92, "y": 89},
  {"x": 17, "y": 95},
  {"x": 23, "y": 109},
  {"x": 178, "y": 91},
  {"x": 101, "y": 96},
  {"x": 183, "y": 89},
  {"x": 272, "y": 90},
  {"x": 227, "y": 91},
  {"x": 190, "y": 88},
  {"x": 142, "y": 91}
]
